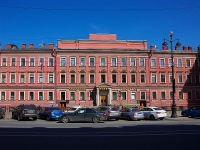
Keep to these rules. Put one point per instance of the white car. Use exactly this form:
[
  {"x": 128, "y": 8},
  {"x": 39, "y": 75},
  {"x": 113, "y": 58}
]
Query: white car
[{"x": 153, "y": 113}]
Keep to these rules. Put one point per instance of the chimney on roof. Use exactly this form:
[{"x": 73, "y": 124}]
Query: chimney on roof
[
  {"x": 165, "y": 47},
  {"x": 31, "y": 46},
  {"x": 184, "y": 48},
  {"x": 51, "y": 46},
  {"x": 190, "y": 48},
  {"x": 152, "y": 47},
  {"x": 176, "y": 47},
  {"x": 9, "y": 46},
  {"x": 43, "y": 45},
  {"x": 23, "y": 46}
]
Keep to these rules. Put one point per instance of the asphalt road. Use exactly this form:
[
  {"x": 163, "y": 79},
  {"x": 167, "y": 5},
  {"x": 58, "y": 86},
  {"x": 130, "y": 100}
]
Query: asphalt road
[{"x": 41, "y": 134}]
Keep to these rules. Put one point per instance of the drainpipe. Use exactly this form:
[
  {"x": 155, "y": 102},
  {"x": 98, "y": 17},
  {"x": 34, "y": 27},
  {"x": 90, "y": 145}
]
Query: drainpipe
[{"x": 54, "y": 54}]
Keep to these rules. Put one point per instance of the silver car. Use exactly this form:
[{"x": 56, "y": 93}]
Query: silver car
[
  {"x": 132, "y": 114},
  {"x": 111, "y": 112},
  {"x": 153, "y": 113}
]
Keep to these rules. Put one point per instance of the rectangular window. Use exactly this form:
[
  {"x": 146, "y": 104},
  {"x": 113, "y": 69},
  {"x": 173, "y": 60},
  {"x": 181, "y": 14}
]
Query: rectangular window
[
  {"x": 123, "y": 61},
  {"x": 92, "y": 96},
  {"x": 170, "y": 78},
  {"x": 62, "y": 76},
  {"x": 196, "y": 63},
  {"x": 62, "y": 61},
  {"x": 41, "y": 96},
  {"x": 41, "y": 63},
  {"x": 31, "y": 78},
  {"x": 22, "y": 96},
  {"x": 23, "y": 62},
  {"x": 103, "y": 78},
  {"x": 142, "y": 62},
  {"x": 163, "y": 96},
  {"x": 197, "y": 95},
  {"x": 13, "y": 62},
  {"x": 180, "y": 95},
  {"x": 162, "y": 78},
  {"x": 4, "y": 62},
  {"x": 154, "y": 95},
  {"x": 189, "y": 79},
  {"x": 180, "y": 78},
  {"x": 31, "y": 96},
  {"x": 123, "y": 95},
  {"x": 91, "y": 78},
  {"x": 50, "y": 96},
  {"x": 12, "y": 96},
  {"x": 3, "y": 95},
  {"x": 51, "y": 63},
  {"x": 132, "y": 62},
  {"x": 133, "y": 78},
  {"x": 72, "y": 96},
  {"x": 133, "y": 95},
  {"x": 92, "y": 61},
  {"x": 72, "y": 61},
  {"x": 153, "y": 78},
  {"x": 123, "y": 78},
  {"x": 82, "y": 61},
  {"x": 114, "y": 95},
  {"x": 62, "y": 96},
  {"x": 103, "y": 61},
  {"x": 73, "y": 78},
  {"x": 22, "y": 78},
  {"x": 189, "y": 95},
  {"x": 143, "y": 95},
  {"x": 50, "y": 78},
  {"x": 170, "y": 62},
  {"x": 32, "y": 62},
  {"x": 12, "y": 78},
  {"x": 171, "y": 95},
  {"x": 142, "y": 78},
  {"x": 162, "y": 63},
  {"x": 41, "y": 78},
  {"x": 114, "y": 61},
  {"x": 114, "y": 78},
  {"x": 82, "y": 96},
  {"x": 179, "y": 63},
  {"x": 82, "y": 78},
  {"x": 153, "y": 62},
  {"x": 197, "y": 78},
  {"x": 187, "y": 62},
  {"x": 3, "y": 76}
]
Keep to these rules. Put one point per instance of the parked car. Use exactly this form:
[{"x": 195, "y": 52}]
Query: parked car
[
  {"x": 2, "y": 113},
  {"x": 83, "y": 114},
  {"x": 184, "y": 113},
  {"x": 153, "y": 113},
  {"x": 110, "y": 111},
  {"x": 50, "y": 113},
  {"x": 194, "y": 112},
  {"x": 25, "y": 111},
  {"x": 132, "y": 114}
]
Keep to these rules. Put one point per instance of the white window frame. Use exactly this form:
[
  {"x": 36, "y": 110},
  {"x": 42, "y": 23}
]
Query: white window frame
[
  {"x": 152, "y": 77},
  {"x": 178, "y": 62},
  {"x": 2, "y": 78},
  {"x": 39, "y": 62},
  {"x": 11, "y": 77},
  {"x": 181, "y": 78},
  {"x": 80, "y": 78},
  {"x": 101, "y": 63},
  {"x": 179, "y": 95},
  {"x": 84, "y": 98},
  {"x": 170, "y": 76},
  {"x": 121, "y": 77},
  {"x": 113, "y": 99},
  {"x": 30, "y": 95},
  {"x": 134, "y": 94},
  {"x": 20, "y": 78},
  {"x": 4, "y": 96},
  {"x": 131, "y": 77},
  {"x": 156, "y": 95},
  {"x": 14, "y": 95},
  {"x": 170, "y": 65},
  {"x": 61, "y": 61},
  {"x": 61, "y": 78},
  {"x": 125, "y": 95},
  {"x": 105, "y": 77},
  {"x": 30, "y": 77},
  {"x": 189, "y": 62},
  {"x": 42, "y": 95},
  {"x": 20, "y": 96},
  {"x": 71, "y": 61},
  {"x": 82, "y": 64},
  {"x": 39, "y": 77},
  {"x": 49, "y": 61},
  {"x": 61, "y": 94},
  {"x": 71, "y": 78},
  {"x": 134, "y": 58},
  {"x": 90, "y": 61},
  {"x": 21, "y": 61},
  {"x": 49, "y": 77},
  {"x": 89, "y": 77},
  {"x": 74, "y": 99},
  {"x": 144, "y": 77},
  {"x": 115, "y": 61},
  {"x": 140, "y": 61},
  {"x": 30, "y": 62},
  {"x": 161, "y": 95},
  {"x": 2, "y": 62},
  {"x": 112, "y": 77},
  {"x": 161, "y": 77},
  {"x": 12, "y": 62},
  {"x": 122, "y": 61},
  {"x": 152, "y": 63},
  {"x": 144, "y": 95},
  {"x": 162, "y": 59},
  {"x": 49, "y": 95}
]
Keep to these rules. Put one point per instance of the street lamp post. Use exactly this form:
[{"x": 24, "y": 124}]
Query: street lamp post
[{"x": 173, "y": 107}]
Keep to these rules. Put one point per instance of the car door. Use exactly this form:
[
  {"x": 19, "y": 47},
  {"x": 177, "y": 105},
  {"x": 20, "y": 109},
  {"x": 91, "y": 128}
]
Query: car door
[
  {"x": 89, "y": 114},
  {"x": 79, "y": 115},
  {"x": 145, "y": 112},
  {"x": 123, "y": 112}
]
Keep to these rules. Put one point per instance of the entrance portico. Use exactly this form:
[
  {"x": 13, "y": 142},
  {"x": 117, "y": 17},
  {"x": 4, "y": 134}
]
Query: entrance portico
[{"x": 104, "y": 94}]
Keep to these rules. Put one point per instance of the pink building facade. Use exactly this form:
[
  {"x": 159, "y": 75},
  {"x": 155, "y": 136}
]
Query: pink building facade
[{"x": 98, "y": 71}]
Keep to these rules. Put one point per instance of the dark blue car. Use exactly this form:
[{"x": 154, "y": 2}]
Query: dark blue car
[
  {"x": 50, "y": 113},
  {"x": 194, "y": 112}
]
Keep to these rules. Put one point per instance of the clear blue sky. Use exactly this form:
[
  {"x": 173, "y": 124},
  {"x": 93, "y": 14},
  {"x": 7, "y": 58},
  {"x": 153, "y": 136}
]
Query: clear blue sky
[{"x": 34, "y": 21}]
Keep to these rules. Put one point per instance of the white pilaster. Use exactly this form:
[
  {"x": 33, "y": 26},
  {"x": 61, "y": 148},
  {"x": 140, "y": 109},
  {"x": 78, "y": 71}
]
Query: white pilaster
[
  {"x": 110, "y": 96},
  {"x": 97, "y": 97}
]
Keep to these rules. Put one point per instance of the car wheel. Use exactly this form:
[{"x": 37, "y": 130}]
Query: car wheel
[
  {"x": 129, "y": 118},
  {"x": 13, "y": 117},
  {"x": 161, "y": 118},
  {"x": 48, "y": 118},
  {"x": 185, "y": 115},
  {"x": 65, "y": 119},
  {"x": 117, "y": 119},
  {"x": 19, "y": 118},
  {"x": 95, "y": 119},
  {"x": 34, "y": 118},
  {"x": 152, "y": 117}
]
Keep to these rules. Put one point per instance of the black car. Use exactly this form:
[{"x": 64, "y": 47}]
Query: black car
[
  {"x": 83, "y": 114},
  {"x": 25, "y": 111},
  {"x": 2, "y": 113}
]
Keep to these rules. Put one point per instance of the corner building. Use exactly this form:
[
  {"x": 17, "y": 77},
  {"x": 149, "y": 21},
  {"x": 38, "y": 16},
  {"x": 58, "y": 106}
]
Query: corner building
[{"x": 99, "y": 71}]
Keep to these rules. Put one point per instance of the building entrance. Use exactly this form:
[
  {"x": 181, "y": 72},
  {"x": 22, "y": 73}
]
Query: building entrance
[
  {"x": 143, "y": 104},
  {"x": 103, "y": 100}
]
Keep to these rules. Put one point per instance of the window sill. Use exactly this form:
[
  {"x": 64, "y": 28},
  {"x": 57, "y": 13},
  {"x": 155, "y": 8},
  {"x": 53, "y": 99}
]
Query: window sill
[
  {"x": 92, "y": 66},
  {"x": 82, "y": 66},
  {"x": 31, "y": 66}
]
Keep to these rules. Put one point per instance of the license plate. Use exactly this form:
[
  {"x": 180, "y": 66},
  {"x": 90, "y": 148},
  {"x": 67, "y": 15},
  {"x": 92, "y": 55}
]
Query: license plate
[{"x": 31, "y": 111}]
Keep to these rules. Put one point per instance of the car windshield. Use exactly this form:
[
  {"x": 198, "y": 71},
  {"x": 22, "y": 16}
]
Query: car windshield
[
  {"x": 71, "y": 109},
  {"x": 134, "y": 109},
  {"x": 114, "y": 109},
  {"x": 101, "y": 108},
  {"x": 29, "y": 107},
  {"x": 55, "y": 108},
  {"x": 157, "y": 108}
]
